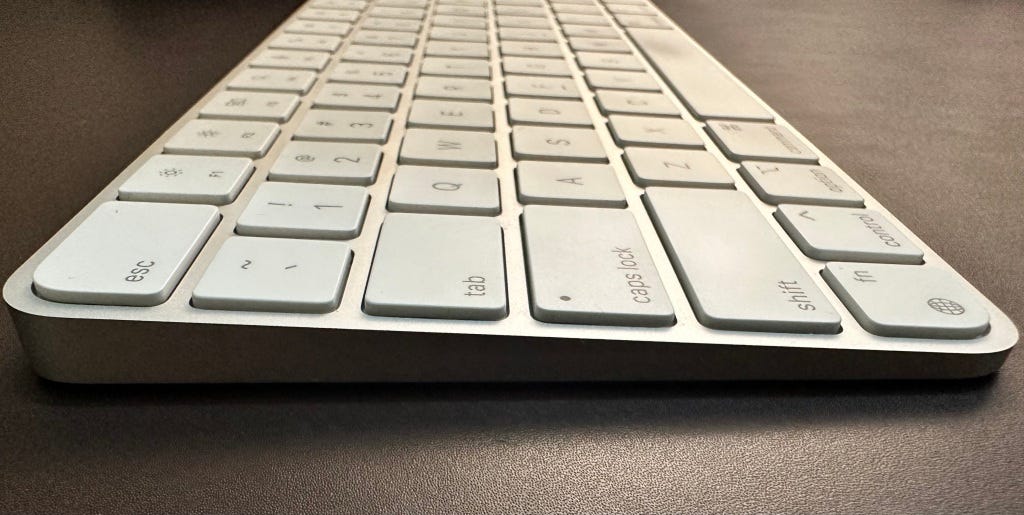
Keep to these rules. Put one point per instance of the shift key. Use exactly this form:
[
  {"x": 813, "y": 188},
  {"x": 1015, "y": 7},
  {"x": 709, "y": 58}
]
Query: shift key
[
  {"x": 736, "y": 270},
  {"x": 591, "y": 266}
]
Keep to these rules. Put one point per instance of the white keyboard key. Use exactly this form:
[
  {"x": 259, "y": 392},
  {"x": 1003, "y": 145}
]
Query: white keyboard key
[
  {"x": 582, "y": 19},
  {"x": 697, "y": 80},
  {"x": 591, "y": 266},
  {"x": 847, "y": 234},
  {"x": 608, "y": 61},
  {"x": 454, "y": 88},
  {"x": 187, "y": 179},
  {"x": 328, "y": 15},
  {"x": 907, "y": 301},
  {"x": 736, "y": 271},
  {"x": 327, "y": 163},
  {"x": 245, "y": 105},
  {"x": 675, "y": 167},
  {"x": 463, "y": 149},
  {"x": 313, "y": 211},
  {"x": 364, "y": 73},
  {"x": 474, "y": 68},
  {"x": 326, "y": 28},
  {"x": 126, "y": 254},
  {"x": 271, "y": 274},
  {"x": 599, "y": 45},
  {"x": 778, "y": 183},
  {"x": 632, "y": 9},
  {"x": 536, "y": 66},
  {"x": 548, "y": 112},
  {"x": 405, "y": 13},
  {"x": 610, "y": 79},
  {"x": 223, "y": 138},
  {"x": 590, "y": 31},
  {"x": 525, "y": 22},
  {"x": 633, "y": 102},
  {"x": 560, "y": 8},
  {"x": 385, "y": 38},
  {"x": 518, "y": 34},
  {"x": 458, "y": 272},
  {"x": 457, "y": 49},
  {"x": 753, "y": 141},
  {"x": 377, "y": 54},
  {"x": 352, "y": 5},
  {"x": 651, "y": 131},
  {"x": 293, "y": 59},
  {"x": 358, "y": 96},
  {"x": 454, "y": 34},
  {"x": 530, "y": 86},
  {"x": 517, "y": 10},
  {"x": 306, "y": 42},
  {"x": 568, "y": 184},
  {"x": 461, "y": 10},
  {"x": 557, "y": 144},
  {"x": 447, "y": 114},
  {"x": 419, "y": 4},
  {"x": 530, "y": 49},
  {"x": 354, "y": 126},
  {"x": 460, "y": 22},
  {"x": 376, "y": 23},
  {"x": 260, "y": 79},
  {"x": 450, "y": 191}
]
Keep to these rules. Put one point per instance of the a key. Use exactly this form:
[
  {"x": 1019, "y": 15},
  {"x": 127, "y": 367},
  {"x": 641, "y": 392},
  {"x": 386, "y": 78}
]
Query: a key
[
  {"x": 568, "y": 184},
  {"x": 536, "y": 66},
  {"x": 590, "y": 31},
  {"x": 313, "y": 211},
  {"x": 377, "y": 54},
  {"x": 531, "y": 86},
  {"x": 272, "y": 274},
  {"x": 907, "y": 301},
  {"x": 358, "y": 96},
  {"x": 518, "y": 34},
  {"x": 245, "y": 105},
  {"x": 457, "y": 49},
  {"x": 651, "y": 131},
  {"x": 608, "y": 61},
  {"x": 420, "y": 4},
  {"x": 706, "y": 89},
  {"x": 676, "y": 167},
  {"x": 369, "y": 73},
  {"x": 305, "y": 42},
  {"x": 736, "y": 271},
  {"x": 446, "y": 114},
  {"x": 406, "y": 13},
  {"x": 354, "y": 126},
  {"x": 516, "y": 10},
  {"x": 126, "y": 254},
  {"x": 591, "y": 266},
  {"x": 450, "y": 66},
  {"x": 294, "y": 59},
  {"x": 642, "y": 21},
  {"x": 353, "y": 5},
  {"x": 461, "y": 10},
  {"x": 610, "y": 79},
  {"x": 461, "y": 22},
  {"x": 187, "y": 179},
  {"x": 328, "y": 15},
  {"x": 778, "y": 183},
  {"x": 631, "y": 9},
  {"x": 458, "y": 271},
  {"x": 581, "y": 44},
  {"x": 847, "y": 234},
  {"x": 286, "y": 81},
  {"x": 525, "y": 22},
  {"x": 759, "y": 141},
  {"x": 223, "y": 138},
  {"x": 327, "y": 163},
  {"x": 557, "y": 144},
  {"x": 375, "y": 23},
  {"x": 576, "y": 9},
  {"x": 385, "y": 37},
  {"x": 326, "y": 28},
  {"x": 465, "y": 149},
  {"x": 582, "y": 19},
  {"x": 455, "y": 34},
  {"x": 548, "y": 112},
  {"x": 530, "y": 49},
  {"x": 633, "y": 102},
  {"x": 451, "y": 191},
  {"x": 453, "y": 88}
]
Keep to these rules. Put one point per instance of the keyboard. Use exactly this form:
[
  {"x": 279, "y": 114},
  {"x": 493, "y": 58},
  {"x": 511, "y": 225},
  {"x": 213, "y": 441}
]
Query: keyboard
[{"x": 490, "y": 190}]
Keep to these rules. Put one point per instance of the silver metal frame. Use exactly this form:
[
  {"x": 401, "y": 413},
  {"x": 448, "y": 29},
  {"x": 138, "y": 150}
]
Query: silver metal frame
[{"x": 175, "y": 342}]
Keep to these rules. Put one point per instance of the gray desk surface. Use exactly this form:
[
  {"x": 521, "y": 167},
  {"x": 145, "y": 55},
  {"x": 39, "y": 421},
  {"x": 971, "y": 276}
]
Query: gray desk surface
[{"x": 919, "y": 100}]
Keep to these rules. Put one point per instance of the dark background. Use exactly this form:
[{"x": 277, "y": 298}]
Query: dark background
[{"x": 920, "y": 101}]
